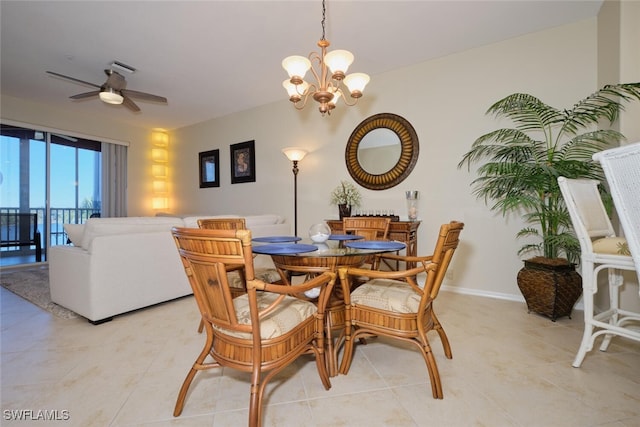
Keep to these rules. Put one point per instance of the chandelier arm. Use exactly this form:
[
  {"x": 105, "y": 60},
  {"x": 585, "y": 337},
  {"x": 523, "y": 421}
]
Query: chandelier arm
[
  {"x": 303, "y": 100},
  {"x": 344, "y": 98},
  {"x": 314, "y": 57}
]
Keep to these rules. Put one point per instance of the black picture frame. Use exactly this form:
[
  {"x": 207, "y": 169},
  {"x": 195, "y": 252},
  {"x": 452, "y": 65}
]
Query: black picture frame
[
  {"x": 209, "y": 167},
  {"x": 243, "y": 162}
]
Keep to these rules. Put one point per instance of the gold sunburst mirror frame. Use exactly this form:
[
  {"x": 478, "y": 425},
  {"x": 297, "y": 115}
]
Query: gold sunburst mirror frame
[{"x": 409, "y": 150}]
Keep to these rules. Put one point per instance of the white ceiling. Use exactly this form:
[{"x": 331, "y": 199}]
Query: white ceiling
[{"x": 213, "y": 58}]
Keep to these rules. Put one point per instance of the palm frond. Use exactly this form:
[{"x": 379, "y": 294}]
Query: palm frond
[{"x": 606, "y": 103}]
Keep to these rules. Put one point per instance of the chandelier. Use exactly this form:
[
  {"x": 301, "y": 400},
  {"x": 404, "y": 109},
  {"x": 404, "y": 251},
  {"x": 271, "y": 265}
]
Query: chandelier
[{"x": 330, "y": 77}]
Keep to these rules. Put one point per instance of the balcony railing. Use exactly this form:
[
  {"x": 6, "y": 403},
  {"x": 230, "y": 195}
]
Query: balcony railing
[{"x": 59, "y": 216}]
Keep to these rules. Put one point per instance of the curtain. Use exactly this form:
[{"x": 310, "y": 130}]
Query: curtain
[{"x": 114, "y": 180}]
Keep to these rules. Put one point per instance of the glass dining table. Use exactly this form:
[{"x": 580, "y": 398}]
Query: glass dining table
[{"x": 293, "y": 256}]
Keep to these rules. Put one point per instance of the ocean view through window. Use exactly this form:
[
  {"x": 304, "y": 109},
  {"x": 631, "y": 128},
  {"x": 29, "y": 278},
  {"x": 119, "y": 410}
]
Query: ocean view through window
[{"x": 56, "y": 176}]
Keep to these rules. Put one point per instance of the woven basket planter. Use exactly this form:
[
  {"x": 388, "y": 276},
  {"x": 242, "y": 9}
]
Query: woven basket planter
[{"x": 550, "y": 287}]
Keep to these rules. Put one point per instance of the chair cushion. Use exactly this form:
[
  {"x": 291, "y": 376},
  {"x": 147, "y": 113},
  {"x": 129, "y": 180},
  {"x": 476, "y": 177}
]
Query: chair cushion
[
  {"x": 269, "y": 275},
  {"x": 289, "y": 314},
  {"x": 389, "y": 295},
  {"x": 610, "y": 245}
]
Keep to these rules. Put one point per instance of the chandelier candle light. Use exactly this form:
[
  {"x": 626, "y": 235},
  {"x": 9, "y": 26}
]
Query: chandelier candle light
[{"x": 332, "y": 68}]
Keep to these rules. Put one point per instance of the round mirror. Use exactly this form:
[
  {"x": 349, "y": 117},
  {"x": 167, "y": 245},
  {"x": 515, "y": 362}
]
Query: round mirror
[
  {"x": 382, "y": 151},
  {"x": 379, "y": 151}
]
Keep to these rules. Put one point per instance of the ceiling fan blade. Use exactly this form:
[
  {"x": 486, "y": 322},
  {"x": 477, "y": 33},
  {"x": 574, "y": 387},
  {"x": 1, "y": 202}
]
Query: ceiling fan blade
[
  {"x": 115, "y": 80},
  {"x": 130, "y": 104},
  {"x": 73, "y": 79},
  {"x": 86, "y": 95},
  {"x": 144, "y": 96}
]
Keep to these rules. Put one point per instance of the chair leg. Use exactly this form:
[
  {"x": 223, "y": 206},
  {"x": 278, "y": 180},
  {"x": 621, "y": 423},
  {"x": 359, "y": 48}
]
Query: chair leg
[
  {"x": 615, "y": 281},
  {"x": 432, "y": 367},
  {"x": 198, "y": 365},
  {"x": 321, "y": 363},
  {"x": 332, "y": 352},
  {"x": 588, "y": 281},
  {"x": 443, "y": 336},
  {"x": 347, "y": 357},
  {"x": 201, "y": 326}
]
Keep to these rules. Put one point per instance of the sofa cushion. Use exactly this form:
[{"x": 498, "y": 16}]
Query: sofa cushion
[
  {"x": 253, "y": 220},
  {"x": 74, "y": 233},
  {"x": 95, "y": 227}
]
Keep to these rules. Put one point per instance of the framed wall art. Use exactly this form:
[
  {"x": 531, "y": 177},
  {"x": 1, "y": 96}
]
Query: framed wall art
[
  {"x": 209, "y": 166},
  {"x": 243, "y": 162}
]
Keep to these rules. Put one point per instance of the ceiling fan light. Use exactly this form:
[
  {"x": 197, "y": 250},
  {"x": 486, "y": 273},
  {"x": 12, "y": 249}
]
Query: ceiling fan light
[
  {"x": 338, "y": 61},
  {"x": 110, "y": 96}
]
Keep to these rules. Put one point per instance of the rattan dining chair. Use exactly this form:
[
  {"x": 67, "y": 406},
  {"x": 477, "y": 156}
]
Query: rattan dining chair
[
  {"x": 370, "y": 228},
  {"x": 621, "y": 167},
  {"x": 237, "y": 280},
  {"x": 260, "y": 332},
  {"x": 600, "y": 250},
  {"x": 392, "y": 303}
]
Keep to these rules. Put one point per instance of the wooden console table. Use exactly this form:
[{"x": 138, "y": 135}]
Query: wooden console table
[{"x": 402, "y": 231}]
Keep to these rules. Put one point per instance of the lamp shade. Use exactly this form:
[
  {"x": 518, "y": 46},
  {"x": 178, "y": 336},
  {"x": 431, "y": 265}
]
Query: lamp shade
[
  {"x": 296, "y": 66},
  {"x": 356, "y": 82},
  {"x": 159, "y": 171},
  {"x": 336, "y": 97},
  {"x": 295, "y": 91},
  {"x": 338, "y": 60},
  {"x": 160, "y": 138},
  {"x": 159, "y": 155},
  {"x": 160, "y": 186},
  {"x": 160, "y": 203},
  {"x": 294, "y": 153}
]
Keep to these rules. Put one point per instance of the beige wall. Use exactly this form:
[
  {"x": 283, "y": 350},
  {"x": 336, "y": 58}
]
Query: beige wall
[
  {"x": 445, "y": 100},
  {"x": 98, "y": 128}
]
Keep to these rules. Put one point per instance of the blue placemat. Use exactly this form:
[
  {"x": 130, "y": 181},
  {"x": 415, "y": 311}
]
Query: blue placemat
[
  {"x": 376, "y": 244},
  {"x": 276, "y": 239},
  {"x": 345, "y": 237},
  {"x": 284, "y": 249}
]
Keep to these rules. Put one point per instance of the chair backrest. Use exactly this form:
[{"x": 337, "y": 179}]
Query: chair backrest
[
  {"x": 371, "y": 228},
  {"x": 621, "y": 166},
  {"x": 18, "y": 228},
  {"x": 223, "y": 224},
  {"x": 206, "y": 254},
  {"x": 588, "y": 214},
  {"x": 446, "y": 245}
]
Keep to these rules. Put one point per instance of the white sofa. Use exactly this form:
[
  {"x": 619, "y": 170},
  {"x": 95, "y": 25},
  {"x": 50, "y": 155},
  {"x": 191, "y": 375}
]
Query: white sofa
[{"x": 117, "y": 265}]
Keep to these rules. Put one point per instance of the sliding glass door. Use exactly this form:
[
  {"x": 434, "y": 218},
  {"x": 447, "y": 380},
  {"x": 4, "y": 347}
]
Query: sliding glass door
[{"x": 54, "y": 176}]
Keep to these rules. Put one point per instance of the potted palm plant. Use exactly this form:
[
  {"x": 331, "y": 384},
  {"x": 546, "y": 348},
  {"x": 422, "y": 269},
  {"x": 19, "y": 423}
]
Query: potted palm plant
[{"x": 518, "y": 173}]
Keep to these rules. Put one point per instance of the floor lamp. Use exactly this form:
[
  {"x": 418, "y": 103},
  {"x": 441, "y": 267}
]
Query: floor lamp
[{"x": 295, "y": 154}]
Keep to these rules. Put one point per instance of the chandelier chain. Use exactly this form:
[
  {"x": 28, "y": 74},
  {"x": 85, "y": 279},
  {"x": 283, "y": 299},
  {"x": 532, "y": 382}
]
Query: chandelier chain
[{"x": 323, "y": 19}]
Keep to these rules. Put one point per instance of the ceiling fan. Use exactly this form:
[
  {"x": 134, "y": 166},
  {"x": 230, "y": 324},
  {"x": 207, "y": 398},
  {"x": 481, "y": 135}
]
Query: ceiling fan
[{"x": 113, "y": 91}]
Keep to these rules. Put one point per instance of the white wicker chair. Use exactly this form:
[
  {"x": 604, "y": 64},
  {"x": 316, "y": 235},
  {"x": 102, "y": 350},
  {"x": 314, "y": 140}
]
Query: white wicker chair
[
  {"x": 622, "y": 169},
  {"x": 600, "y": 250}
]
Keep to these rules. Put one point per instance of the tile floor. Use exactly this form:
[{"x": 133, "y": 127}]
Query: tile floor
[{"x": 509, "y": 368}]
